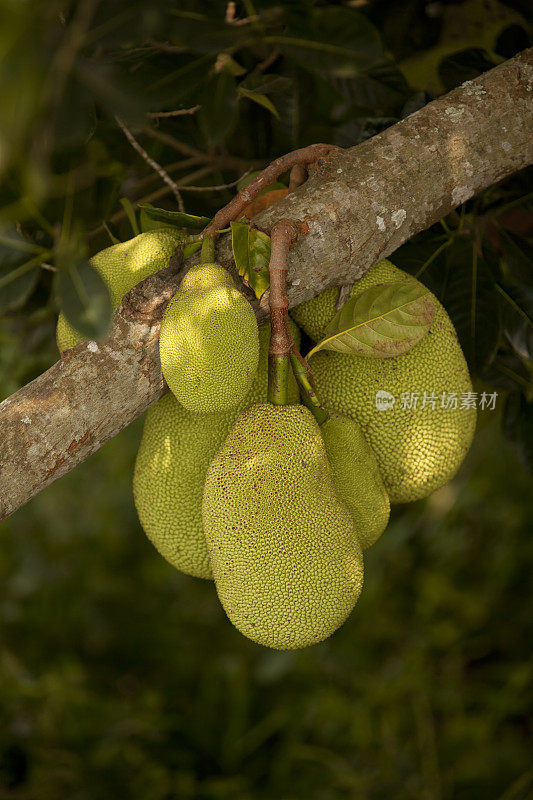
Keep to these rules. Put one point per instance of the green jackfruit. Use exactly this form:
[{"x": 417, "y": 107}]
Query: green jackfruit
[
  {"x": 176, "y": 449},
  {"x": 209, "y": 343},
  {"x": 356, "y": 476},
  {"x": 418, "y": 449},
  {"x": 286, "y": 559},
  {"x": 122, "y": 266},
  {"x": 314, "y": 315}
]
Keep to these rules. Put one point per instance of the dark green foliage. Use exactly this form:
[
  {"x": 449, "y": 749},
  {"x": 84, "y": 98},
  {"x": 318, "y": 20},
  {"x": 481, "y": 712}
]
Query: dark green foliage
[{"x": 249, "y": 81}]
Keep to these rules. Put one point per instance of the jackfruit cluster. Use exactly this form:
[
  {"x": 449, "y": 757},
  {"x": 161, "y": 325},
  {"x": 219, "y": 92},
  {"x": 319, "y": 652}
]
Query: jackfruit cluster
[
  {"x": 422, "y": 432},
  {"x": 274, "y": 507}
]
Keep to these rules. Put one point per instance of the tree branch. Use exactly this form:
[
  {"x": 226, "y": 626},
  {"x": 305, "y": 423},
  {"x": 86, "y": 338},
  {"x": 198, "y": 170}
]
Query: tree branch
[{"x": 358, "y": 206}]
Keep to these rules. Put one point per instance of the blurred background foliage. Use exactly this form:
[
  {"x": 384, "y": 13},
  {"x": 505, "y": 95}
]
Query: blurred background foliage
[{"x": 119, "y": 676}]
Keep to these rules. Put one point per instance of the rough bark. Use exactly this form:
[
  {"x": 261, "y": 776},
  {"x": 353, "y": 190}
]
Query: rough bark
[{"x": 358, "y": 205}]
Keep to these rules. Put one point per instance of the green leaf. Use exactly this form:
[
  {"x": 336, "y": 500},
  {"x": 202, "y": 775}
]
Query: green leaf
[
  {"x": 384, "y": 321},
  {"x": 114, "y": 89},
  {"x": 18, "y": 273},
  {"x": 233, "y": 67},
  {"x": 177, "y": 219},
  {"x": 114, "y": 239},
  {"x": 84, "y": 298},
  {"x": 251, "y": 251},
  {"x": 469, "y": 296},
  {"x": 334, "y": 40},
  {"x": 186, "y": 80},
  {"x": 470, "y": 24},
  {"x": 383, "y": 89},
  {"x": 260, "y": 99},
  {"x": 517, "y": 315},
  {"x": 518, "y": 255},
  {"x": 517, "y": 424},
  {"x": 507, "y": 371},
  {"x": 424, "y": 256},
  {"x": 257, "y": 88},
  {"x": 462, "y": 66},
  {"x": 17, "y": 283},
  {"x": 198, "y": 33},
  {"x": 13, "y": 244},
  {"x": 266, "y": 84},
  {"x": 131, "y": 215},
  {"x": 218, "y": 106}
]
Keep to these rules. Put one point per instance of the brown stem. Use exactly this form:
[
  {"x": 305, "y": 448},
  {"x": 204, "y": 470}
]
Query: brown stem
[
  {"x": 297, "y": 177},
  {"x": 235, "y": 207},
  {"x": 283, "y": 234}
]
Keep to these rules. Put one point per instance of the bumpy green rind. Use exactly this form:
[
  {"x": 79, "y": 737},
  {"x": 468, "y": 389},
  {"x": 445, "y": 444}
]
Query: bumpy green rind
[
  {"x": 314, "y": 315},
  {"x": 209, "y": 343},
  {"x": 122, "y": 266},
  {"x": 357, "y": 477},
  {"x": 176, "y": 449},
  {"x": 286, "y": 559},
  {"x": 418, "y": 449}
]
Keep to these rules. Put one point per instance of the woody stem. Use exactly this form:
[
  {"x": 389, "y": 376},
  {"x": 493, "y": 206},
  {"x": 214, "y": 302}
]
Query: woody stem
[
  {"x": 282, "y": 236},
  {"x": 233, "y": 210}
]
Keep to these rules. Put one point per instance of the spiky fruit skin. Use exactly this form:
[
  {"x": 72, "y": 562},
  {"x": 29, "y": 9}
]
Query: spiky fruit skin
[
  {"x": 122, "y": 266},
  {"x": 287, "y": 563},
  {"x": 176, "y": 449},
  {"x": 418, "y": 450},
  {"x": 314, "y": 315},
  {"x": 209, "y": 344},
  {"x": 357, "y": 477}
]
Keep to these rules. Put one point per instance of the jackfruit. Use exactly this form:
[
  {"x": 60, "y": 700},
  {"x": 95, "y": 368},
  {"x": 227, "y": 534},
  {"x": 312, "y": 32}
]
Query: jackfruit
[
  {"x": 286, "y": 559},
  {"x": 418, "y": 448},
  {"x": 209, "y": 344},
  {"x": 314, "y": 315},
  {"x": 176, "y": 449},
  {"x": 356, "y": 477},
  {"x": 122, "y": 266}
]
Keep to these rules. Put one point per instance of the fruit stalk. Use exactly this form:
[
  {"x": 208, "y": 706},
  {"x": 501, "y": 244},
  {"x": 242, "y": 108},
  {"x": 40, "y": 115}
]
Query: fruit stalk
[
  {"x": 283, "y": 234},
  {"x": 208, "y": 249},
  {"x": 307, "y": 390}
]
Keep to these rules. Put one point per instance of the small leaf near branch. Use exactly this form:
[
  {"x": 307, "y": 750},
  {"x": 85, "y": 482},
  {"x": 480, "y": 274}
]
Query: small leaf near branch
[
  {"x": 131, "y": 215},
  {"x": 152, "y": 217},
  {"x": 251, "y": 251},
  {"x": 84, "y": 299},
  {"x": 19, "y": 272},
  {"x": 17, "y": 283},
  {"x": 260, "y": 99},
  {"x": 384, "y": 321}
]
